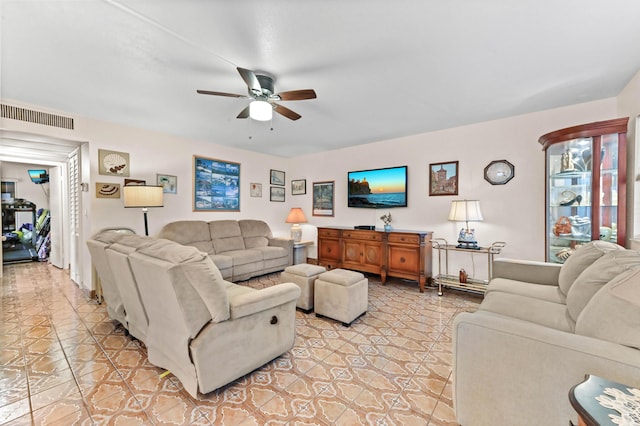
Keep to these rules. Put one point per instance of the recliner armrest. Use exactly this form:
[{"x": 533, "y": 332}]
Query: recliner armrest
[
  {"x": 527, "y": 270},
  {"x": 263, "y": 299},
  {"x": 286, "y": 243}
]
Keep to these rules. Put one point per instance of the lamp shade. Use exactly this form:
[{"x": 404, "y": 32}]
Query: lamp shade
[
  {"x": 465, "y": 211},
  {"x": 260, "y": 110},
  {"x": 143, "y": 196},
  {"x": 296, "y": 215}
]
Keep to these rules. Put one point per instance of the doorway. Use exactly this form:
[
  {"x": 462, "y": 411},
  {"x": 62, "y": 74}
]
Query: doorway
[{"x": 64, "y": 160}]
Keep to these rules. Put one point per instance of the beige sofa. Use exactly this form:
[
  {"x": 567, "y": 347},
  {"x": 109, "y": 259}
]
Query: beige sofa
[
  {"x": 205, "y": 330},
  {"x": 241, "y": 249},
  {"x": 540, "y": 329}
]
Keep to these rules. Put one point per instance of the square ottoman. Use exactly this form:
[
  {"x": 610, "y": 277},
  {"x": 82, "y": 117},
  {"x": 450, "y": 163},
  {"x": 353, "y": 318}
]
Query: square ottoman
[
  {"x": 341, "y": 295},
  {"x": 305, "y": 276}
]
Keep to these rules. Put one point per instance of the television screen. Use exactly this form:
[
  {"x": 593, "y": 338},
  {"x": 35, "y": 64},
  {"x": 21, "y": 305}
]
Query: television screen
[
  {"x": 39, "y": 176},
  {"x": 378, "y": 188}
]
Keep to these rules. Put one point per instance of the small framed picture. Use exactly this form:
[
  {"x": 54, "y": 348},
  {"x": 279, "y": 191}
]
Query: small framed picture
[
  {"x": 323, "y": 198},
  {"x": 277, "y": 177},
  {"x": 255, "y": 189},
  {"x": 277, "y": 194},
  {"x": 107, "y": 190},
  {"x": 113, "y": 163},
  {"x": 298, "y": 187},
  {"x": 169, "y": 183},
  {"x": 443, "y": 178}
]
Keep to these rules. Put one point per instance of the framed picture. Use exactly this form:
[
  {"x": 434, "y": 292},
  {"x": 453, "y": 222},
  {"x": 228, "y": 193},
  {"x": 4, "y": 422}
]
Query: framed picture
[
  {"x": 216, "y": 185},
  {"x": 256, "y": 189},
  {"x": 323, "y": 198},
  {"x": 113, "y": 163},
  {"x": 107, "y": 190},
  {"x": 168, "y": 182},
  {"x": 277, "y": 177},
  {"x": 277, "y": 194},
  {"x": 443, "y": 178},
  {"x": 298, "y": 187},
  {"x": 138, "y": 182}
]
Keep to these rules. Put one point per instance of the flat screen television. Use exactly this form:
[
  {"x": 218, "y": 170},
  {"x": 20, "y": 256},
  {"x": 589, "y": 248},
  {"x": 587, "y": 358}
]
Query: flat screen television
[
  {"x": 38, "y": 176},
  {"x": 378, "y": 188}
]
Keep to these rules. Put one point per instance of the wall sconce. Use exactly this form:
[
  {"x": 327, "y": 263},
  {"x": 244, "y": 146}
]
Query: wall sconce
[
  {"x": 143, "y": 196},
  {"x": 296, "y": 216},
  {"x": 466, "y": 211}
]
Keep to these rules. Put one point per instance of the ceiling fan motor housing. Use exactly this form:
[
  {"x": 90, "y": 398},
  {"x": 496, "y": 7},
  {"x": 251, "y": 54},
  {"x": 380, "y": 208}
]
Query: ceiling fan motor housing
[{"x": 266, "y": 83}]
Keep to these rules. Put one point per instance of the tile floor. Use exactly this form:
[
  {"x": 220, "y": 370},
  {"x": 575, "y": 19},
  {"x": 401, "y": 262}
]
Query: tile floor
[{"x": 64, "y": 362}]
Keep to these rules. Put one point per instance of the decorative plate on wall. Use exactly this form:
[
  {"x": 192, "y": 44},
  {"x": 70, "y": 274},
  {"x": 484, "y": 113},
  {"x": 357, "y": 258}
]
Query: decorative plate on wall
[{"x": 499, "y": 172}]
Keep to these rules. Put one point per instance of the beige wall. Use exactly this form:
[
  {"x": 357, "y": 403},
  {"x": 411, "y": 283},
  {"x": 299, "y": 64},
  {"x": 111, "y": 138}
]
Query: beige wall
[
  {"x": 513, "y": 213},
  {"x": 629, "y": 106}
]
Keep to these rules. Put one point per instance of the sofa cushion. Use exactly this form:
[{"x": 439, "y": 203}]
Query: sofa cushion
[
  {"x": 226, "y": 236},
  {"x": 108, "y": 237},
  {"x": 256, "y": 233},
  {"x": 584, "y": 256},
  {"x": 190, "y": 233},
  {"x": 243, "y": 257},
  {"x": 613, "y": 313},
  {"x": 550, "y": 293},
  {"x": 595, "y": 276},
  {"x": 538, "y": 311}
]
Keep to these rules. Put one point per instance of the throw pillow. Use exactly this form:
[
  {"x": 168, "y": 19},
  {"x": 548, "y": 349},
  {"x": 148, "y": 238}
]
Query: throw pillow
[
  {"x": 595, "y": 276},
  {"x": 613, "y": 314},
  {"x": 584, "y": 256}
]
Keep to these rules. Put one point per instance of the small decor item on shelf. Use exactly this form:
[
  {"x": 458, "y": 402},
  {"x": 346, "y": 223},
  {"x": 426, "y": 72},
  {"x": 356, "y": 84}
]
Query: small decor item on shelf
[
  {"x": 386, "y": 219},
  {"x": 562, "y": 226},
  {"x": 463, "y": 276},
  {"x": 580, "y": 226},
  {"x": 569, "y": 197}
]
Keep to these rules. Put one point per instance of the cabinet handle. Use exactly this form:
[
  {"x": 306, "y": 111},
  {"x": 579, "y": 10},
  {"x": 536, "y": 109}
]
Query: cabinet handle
[
  {"x": 328, "y": 250},
  {"x": 402, "y": 260}
]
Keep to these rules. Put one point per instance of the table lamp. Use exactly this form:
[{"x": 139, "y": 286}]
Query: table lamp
[
  {"x": 296, "y": 216},
  {"x": 143, "y": 196},
  {"x": 466, "y": 211}
]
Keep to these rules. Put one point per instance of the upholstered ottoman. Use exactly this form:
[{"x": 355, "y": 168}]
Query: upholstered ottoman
[
  {"x": 341, "y": 295},
  {"x": 305, "y": 276}
]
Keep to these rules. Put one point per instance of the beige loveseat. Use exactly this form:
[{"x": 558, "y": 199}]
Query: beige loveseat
[
  {"x": 241, "y": 249},
  {"x": 205, "y": 330},
  {"x": 540, "y": 329}
]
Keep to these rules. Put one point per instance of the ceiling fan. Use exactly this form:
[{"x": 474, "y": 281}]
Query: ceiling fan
[{"x": 260, "y": 88}]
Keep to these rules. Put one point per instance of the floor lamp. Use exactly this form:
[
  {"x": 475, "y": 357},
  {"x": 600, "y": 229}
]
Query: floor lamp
[{"x": 143, "y": 196}]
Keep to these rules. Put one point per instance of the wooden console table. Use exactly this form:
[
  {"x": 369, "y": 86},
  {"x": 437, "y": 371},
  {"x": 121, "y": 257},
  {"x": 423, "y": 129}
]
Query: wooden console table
[{"x": 401, "y": 254}]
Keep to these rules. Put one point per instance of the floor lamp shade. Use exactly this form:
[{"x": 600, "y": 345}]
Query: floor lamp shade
[
  {"x": 296, "y": 216},
  {"x": 143, "y": 196}
]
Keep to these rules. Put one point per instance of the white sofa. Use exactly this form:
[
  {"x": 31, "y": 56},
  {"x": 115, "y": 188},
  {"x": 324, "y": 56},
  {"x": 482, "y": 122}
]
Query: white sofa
[
  {"x": 241, "y": 249},
  {"x": 205, "y": 330},
  {"x": 540, "y": 329}
]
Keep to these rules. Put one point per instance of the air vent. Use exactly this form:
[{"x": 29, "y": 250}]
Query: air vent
[{"x": 23, "y": 114}]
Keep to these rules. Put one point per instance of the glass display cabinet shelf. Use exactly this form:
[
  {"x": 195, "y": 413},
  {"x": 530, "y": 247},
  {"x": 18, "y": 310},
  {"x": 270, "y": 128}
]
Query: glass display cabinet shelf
[{"x": 585, "y": 186}]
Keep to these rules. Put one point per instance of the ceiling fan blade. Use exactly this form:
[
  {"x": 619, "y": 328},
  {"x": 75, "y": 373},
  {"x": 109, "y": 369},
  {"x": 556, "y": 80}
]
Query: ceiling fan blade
[
  {"x": 231, "y": 95},
  {"x": 297, "y": 95},
  {"x": 244, "y": 113},
  {"x": 250, "y": 78},
  {"x": 292, "y": 115}
]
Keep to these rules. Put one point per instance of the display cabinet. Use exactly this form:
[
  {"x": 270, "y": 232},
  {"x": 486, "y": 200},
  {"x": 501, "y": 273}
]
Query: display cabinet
[{"x": 585, "y": 186}]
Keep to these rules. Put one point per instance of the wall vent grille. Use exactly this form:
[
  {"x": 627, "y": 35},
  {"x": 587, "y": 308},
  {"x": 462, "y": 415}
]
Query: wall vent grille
[{"x": 23, "y": 114}]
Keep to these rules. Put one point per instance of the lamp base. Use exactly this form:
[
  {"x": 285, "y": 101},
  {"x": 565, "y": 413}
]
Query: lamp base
[
  {"x": 296, "y": 233},
  {"x": 467, "y": 239}
]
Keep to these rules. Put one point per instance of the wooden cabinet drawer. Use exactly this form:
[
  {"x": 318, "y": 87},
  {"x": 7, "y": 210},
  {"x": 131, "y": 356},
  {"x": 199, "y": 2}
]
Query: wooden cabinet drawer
[
  {"x": 404, "y": 260},
  {"x": 362, "y": 235},
  {"x": 327, "y": 232},
  {"x": 404, "y": 238}
]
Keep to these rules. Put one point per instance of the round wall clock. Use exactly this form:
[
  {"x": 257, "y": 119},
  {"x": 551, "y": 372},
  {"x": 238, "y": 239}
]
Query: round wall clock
[{"x": 499, "y": 172}]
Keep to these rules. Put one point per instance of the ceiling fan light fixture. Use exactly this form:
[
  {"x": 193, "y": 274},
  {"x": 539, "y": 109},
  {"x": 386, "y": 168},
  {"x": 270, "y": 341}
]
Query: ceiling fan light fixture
[{"x": 260, "y": 110}]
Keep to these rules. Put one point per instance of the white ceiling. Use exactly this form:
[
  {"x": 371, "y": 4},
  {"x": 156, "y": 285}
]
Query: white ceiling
[{"x": 381, "y": 69}]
